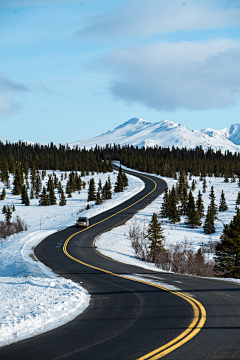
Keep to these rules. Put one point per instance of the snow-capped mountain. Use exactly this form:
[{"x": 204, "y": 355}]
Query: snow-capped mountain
[{"x": 139, "y": 132}]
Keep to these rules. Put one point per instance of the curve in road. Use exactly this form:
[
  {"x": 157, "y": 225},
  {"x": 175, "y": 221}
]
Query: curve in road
[{"x": 129, "y": 319}]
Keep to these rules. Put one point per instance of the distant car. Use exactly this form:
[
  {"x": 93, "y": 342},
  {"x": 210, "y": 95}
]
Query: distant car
[{"x": 82, "y": 221}]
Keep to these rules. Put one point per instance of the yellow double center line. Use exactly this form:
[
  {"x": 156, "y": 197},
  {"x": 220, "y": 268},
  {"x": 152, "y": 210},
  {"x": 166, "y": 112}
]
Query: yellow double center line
[{"x": 199, "y": 317}]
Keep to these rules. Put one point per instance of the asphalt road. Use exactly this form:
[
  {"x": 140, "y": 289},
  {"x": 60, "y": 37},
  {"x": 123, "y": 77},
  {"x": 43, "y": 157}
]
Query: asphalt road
[{"x": 128, "y": 319}]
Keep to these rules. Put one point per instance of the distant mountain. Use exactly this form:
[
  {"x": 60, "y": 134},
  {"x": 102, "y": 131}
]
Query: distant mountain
[{"x": 139, "y": 132}]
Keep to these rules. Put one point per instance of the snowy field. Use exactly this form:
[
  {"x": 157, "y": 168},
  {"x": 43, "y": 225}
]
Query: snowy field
[
  {"x": 116, "y": 245},
  {"x": 32, "y": 298}
]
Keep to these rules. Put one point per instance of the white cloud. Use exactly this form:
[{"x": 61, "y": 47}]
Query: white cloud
[
  {"x": 168, "y": 76},
  {"x": 8, "y": 105},
  {"x": 144, "y": 18}
]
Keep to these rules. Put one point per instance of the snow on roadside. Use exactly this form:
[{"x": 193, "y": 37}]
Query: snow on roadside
[
  {"x": 32, "y": 298},
  {"x": 116, "y": 245}
]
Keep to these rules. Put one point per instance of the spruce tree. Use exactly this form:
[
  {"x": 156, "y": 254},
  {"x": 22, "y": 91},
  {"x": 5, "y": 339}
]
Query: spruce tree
[
  {"x": 91, "y": 190},
  {"x": 155, "y": 235},
  {"x": 3, "y": 194},
  {"x": 17, "y": 182},
  {"x": 4, "y": 209},
  {"x": 238, "y": 199},
  {"x": 119, "y": 185},
  {"x": 100, "y": 185},
  {"x": 193, "y": 217},
  {"x": 52, "y": 196},
  {"x": 204, "y": 185},
  {"x": 165, "y": 204},
  {"x": 208, "y": 227},
  {"x": 24, "y": 196},
  {"x": 184, "y": 201},
  {"x": 223, "y": 205},
  {"x": 8, "y": 214},
  {"x": 173, "y": 212},
  {"x": 98, "y": 198},
  {"x": 227, "y": 253},
  {"x": 44, "y": 198},
  {"x": 212, "y": 203},
  {"x": 200, "y": 205},
  {"x": 62, "y": 201},
  {"x": 38, "y": 185}
]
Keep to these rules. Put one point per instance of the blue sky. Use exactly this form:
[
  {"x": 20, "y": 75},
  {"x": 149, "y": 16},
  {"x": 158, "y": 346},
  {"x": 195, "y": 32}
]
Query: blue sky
[{"x": 72, "y": 70}]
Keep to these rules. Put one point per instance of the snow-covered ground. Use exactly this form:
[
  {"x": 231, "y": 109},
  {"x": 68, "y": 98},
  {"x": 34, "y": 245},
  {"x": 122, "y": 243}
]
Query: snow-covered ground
[
  {"x": 116, "y": 245},
  {"x": 32, "y": 298}
]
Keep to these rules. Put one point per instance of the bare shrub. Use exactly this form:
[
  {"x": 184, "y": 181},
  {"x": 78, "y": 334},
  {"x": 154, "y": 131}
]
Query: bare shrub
[
  {"x": 209, "y": 247},
  {"x": 137, "y": 235},
  {"x": 10, "y": 228}
]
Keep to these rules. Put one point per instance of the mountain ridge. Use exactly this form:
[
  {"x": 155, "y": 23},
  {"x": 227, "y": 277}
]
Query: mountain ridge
[{"x": 165, "y": 133}]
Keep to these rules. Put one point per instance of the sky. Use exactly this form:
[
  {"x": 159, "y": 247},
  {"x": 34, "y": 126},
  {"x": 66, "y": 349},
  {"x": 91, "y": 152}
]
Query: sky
[{"x": 72, "y": 70}]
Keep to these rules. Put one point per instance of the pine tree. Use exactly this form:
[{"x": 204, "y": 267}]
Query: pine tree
[
  {"x": 62, "y": 201},
  {"x": 31, "y": 194},
  {"x": 119, "y": 185},
  {"x": 91, "y": 190},
  {"x": 13, "y": 208},
  {"x": 213, "y": 206},
  {"x": 43, "y": 198},
  {"x": 227, "y": 253},
  {"x": 208, "y": 227},
  {"x": 173, "y": 212},
  {"x": 184, "y": 201},
  {"x": 193, "y": 217},
  {"x": 38, "y": 185},
  {"x": 98, "y": 198},
  {"x": 204, "y": 185},
  {"x": 17, "y": 182},
  {"x": 154, "y": 235},
  {"x": 165, "y": 204},
  {"x": 193, "y": 187},
  {"x": 100, "y": 185},
  {"x": 4, "y": 209},
  {"x": 223, "y": 205},
  {"x": 8, "y": 214},
  {"x": 200, "y": 205},
  {"x": 3, "y": 194},
  {"x": 238, "y": 199},
  {"x": 52, "y": 196},
  {"x": 24, "y": 196}
]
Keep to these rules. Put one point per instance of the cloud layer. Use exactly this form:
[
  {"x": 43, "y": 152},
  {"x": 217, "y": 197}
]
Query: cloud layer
[
  {"x": 167, "y": 76},
  {"x": 8, "y": 105},
  {"x": 144, "y": 18}
]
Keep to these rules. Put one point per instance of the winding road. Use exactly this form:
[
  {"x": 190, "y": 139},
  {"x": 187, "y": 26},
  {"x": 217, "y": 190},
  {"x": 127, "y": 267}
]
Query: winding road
[{"x": 133, "y": 319}]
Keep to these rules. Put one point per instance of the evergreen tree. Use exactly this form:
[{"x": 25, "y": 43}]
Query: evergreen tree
[
  {"x": 204, "y": 185},
  {"x": 62, "y": 201},
  {"x": 38, "y": 185},
  {"x": 4, "y": 209},
  {"x": 100, "y": 185},
  {"x": 233, "y": 179},
  {"x": 119, "y": 185},
  {"x": 193, "y": 217},
  {"x": 226, "y": 179},
  {"x": 223, "y": 205},
  {"x": 3, "y": 194},
  {"x": 184, "y": 201},
  {"x": 238, "y": 199},
  {"x": 17, "y": 182},
  {"x": 52, "y": 196},
  {"x": 227, "y": 253},
  {"x": 91, "y": 190},
  {"x": 173, "y": 212},
  {"x": 68, "y": 190},
  {"x": 98, "y": 198},
  {"x": 13, "y": 208},
  {"x": 165, "y": 204},
  {"x": 213, "y": 206},
  {"x": 31, "y": 194},
  {"x": 24, "y": 196},
  {"x": 200, "y": 205},
  {"x": 193, "y": 187},
  {"x": 208, "y": 227},
  {"x": 155, "y": 235},
  {"x": 8, "y": 214},
  {"x": 44, "y": 198}
]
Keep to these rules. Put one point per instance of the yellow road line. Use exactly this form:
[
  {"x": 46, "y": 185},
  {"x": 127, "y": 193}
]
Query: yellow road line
[{"x": 199, "y": 317}]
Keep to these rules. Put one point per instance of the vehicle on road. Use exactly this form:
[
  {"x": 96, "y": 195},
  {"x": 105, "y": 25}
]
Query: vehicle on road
[{"x": 82, "y": 221}]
